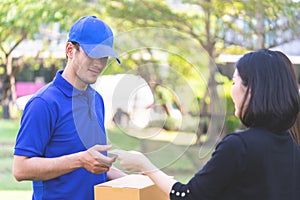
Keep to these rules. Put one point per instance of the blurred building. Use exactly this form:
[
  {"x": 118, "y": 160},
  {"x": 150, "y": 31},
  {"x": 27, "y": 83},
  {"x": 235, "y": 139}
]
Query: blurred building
[{"x": 226, "y": 62}]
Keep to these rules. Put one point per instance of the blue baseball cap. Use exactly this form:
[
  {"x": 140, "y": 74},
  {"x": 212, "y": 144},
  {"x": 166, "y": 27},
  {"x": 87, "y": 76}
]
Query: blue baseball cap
[{"x": 94, "y": 36}]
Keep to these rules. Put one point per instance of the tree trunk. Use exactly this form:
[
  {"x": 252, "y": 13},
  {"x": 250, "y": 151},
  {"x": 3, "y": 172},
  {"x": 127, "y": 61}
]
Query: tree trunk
[
  {"x": 260, "y": 18},
  {"x": 212, "y": 115},
  {"x": 8, "y": 90},
  {"x": 206, "y": 110}
]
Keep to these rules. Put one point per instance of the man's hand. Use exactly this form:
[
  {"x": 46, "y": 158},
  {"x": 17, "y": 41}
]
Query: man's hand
[
  {"x": 94, "y": 161},
  {"x": 40, "y": 168}
]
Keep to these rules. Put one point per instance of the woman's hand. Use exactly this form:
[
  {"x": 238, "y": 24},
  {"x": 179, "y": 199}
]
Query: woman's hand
[{"x": 134, "y": 161}]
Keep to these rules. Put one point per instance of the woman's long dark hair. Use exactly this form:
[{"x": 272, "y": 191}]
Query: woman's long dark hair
[{"x": 273, "y": 90}]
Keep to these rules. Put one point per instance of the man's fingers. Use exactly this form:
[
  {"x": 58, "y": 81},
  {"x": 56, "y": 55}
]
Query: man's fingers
[
  {"x": 96, "y": 152},
  {"x": 100, "y": 169},
  {"x": 107, "y": 161}
]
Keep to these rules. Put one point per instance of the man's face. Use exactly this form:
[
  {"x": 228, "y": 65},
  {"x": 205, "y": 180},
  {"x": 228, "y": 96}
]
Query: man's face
[{"x": 87, "y": 69}]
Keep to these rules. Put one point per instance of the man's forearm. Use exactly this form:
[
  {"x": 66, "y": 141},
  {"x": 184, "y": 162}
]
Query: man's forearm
[{"x": 38, "y": 168}]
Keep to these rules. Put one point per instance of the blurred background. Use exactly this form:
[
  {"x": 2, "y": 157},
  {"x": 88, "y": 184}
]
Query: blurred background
[{"x": 170, "y": 97}]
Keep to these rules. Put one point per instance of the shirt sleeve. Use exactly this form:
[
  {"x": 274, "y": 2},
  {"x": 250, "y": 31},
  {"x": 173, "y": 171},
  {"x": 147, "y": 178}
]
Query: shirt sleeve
[
  {"x": 35, "y": 130},
  {"x": 226, "y": 164}
]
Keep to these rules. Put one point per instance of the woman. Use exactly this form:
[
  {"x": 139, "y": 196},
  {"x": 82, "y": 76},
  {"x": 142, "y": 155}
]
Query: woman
[
  {"x": 295, "y": 129},
  {"x": 261, "y": 162}
]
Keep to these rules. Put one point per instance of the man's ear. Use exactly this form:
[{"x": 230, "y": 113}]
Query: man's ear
[{"x": 69, "y": 49}]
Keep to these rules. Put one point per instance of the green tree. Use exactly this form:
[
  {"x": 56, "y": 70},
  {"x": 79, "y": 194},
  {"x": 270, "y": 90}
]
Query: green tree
[
  {"x": 201, "y": 21},
  {"x": 216, "y": 25},
  {"x": 22, "y": 19}
]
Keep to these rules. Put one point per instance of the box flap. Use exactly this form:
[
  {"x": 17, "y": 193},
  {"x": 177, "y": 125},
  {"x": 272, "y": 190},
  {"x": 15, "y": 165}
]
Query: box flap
[{"x": 129, "y": 181}]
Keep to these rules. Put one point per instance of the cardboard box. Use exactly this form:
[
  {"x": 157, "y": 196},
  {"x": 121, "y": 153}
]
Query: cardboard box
[{"x": 131, "y": 187}]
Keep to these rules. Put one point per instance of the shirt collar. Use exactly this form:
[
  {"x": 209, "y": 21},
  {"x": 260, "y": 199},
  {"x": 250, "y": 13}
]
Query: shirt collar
[{"x": 69, "y": 90}]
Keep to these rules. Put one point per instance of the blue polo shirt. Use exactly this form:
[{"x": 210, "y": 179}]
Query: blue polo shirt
[{"x": 61, "y": 120}]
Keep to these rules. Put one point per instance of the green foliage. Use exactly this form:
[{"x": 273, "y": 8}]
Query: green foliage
[
  {"x": 232, "y": 124},
  {"x": 172, "y": 124},
  {"x": 234, "y": 49},
  {"x": 22, "y": 19},
  {"x": 32, "y": 68},
  {"x": 209, "y": 21},
  {"x": 200, "y": 26},
  {"x": 26, "y": 19}
]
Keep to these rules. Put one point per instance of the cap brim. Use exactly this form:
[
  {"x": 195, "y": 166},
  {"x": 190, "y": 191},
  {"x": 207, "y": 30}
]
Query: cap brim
[{"x": 99, "y": 51}]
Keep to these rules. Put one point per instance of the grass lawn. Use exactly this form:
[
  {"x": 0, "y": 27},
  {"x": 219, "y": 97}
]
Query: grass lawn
[
  {"x": 180, "y": 161},
  {"x": 8, "y": 132}
]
